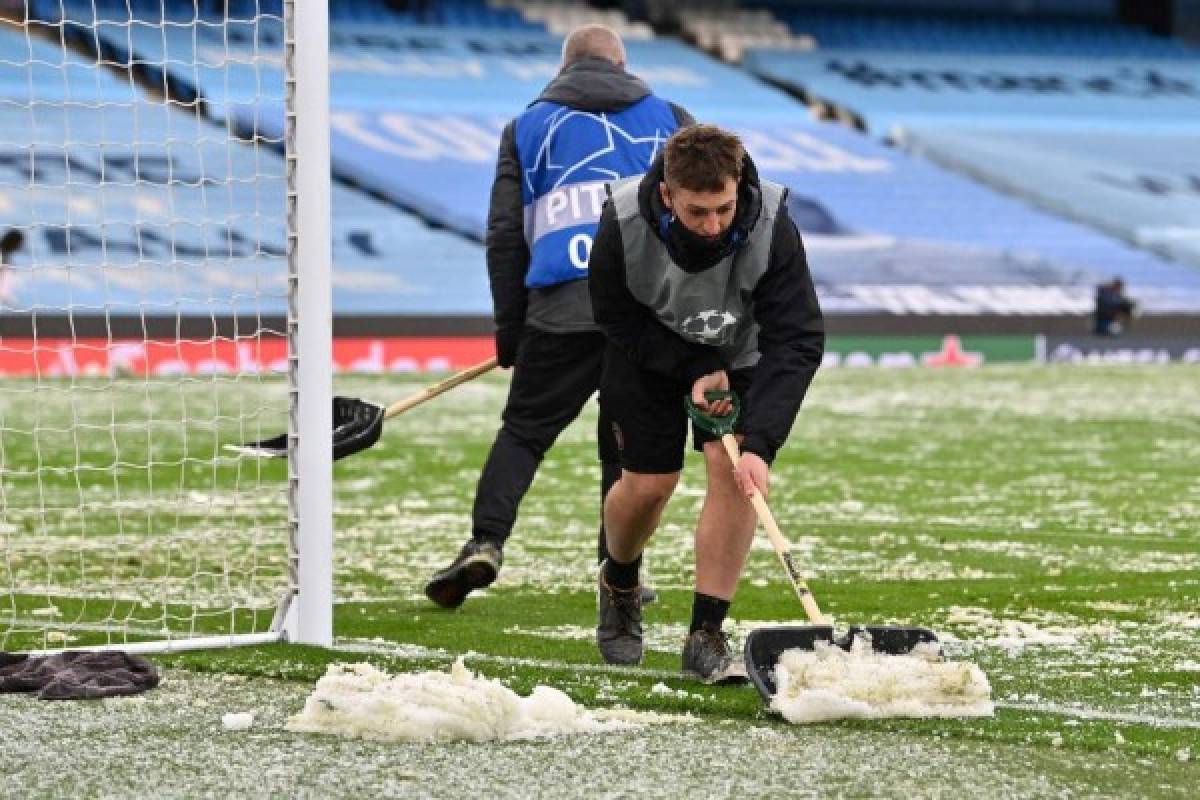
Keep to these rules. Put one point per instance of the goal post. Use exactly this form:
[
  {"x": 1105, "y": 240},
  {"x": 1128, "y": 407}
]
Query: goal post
[
  {"x": 306, "y": 44},
  {"x": 164, "y": 291}
]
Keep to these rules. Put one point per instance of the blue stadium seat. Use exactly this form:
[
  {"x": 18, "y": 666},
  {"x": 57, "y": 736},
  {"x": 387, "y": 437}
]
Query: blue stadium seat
[{"x": 962, "y": 32}]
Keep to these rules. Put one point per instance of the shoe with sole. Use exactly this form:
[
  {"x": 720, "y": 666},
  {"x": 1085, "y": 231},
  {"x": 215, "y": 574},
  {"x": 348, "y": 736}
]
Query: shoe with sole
[
  {"x": 619, "y": 623},
  {"x": 708, "y": 657},
  {"x": 477, "y": 565}
]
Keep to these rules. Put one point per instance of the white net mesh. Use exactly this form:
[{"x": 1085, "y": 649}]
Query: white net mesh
[{"x": 141, "y": 307}]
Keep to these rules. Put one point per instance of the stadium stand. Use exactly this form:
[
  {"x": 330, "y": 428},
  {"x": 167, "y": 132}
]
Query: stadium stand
[
  {"x": 723, "y": 28},
  {"x": 429, "y": 108},
  {"x": 561, "y": 16},
  {"x": 1080, "y": 9},
  {"x": 1142, "y": 186},
  {"x": 132, "y": 242},
  {"x": 423, "y": 133},
  {"x": 57, "y": 74},
  {"x": 417, "y": 112},
  {"x": 889, "y": 67},
  {"x": 958, "y": 30},
  {"x": 1082, "y": 115}
]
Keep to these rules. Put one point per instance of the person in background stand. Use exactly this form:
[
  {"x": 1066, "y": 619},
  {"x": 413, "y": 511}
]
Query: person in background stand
[
  {"x": 1114, "y": 310},
  {"x": 9, "y": 243}
]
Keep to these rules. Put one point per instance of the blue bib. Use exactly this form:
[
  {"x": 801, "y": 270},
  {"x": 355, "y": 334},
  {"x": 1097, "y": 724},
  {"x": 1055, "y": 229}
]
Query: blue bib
[{"x": 567, "y": 157}]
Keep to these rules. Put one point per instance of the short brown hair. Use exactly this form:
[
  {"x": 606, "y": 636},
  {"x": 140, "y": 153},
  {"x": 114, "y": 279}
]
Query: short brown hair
[{"x": 701, "y": 158}]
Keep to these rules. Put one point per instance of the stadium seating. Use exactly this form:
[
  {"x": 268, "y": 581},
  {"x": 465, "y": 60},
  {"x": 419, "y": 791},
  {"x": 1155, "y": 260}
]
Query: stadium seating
[
  {"x": 1077, "y": 9},
  {"x": 723, "y": 28},
  {"x": 54, "y": 72},
  {"x": 417, "y": 112},
  {"x": 561, "y": 16},
  {"x": 967, "y": 33},
  {"x": 1138, "y": 185},
  {"x": 450, "y": 13},
  {"x": 135, "y": 241},
  {"x": 1090, "y": 118}
]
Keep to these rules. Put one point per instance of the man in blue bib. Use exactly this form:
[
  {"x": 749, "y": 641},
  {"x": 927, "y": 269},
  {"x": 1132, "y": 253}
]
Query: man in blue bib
[{"x": 592, "y": 124}]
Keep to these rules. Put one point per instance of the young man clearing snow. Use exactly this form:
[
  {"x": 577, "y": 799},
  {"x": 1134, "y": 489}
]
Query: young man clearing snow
[{"x": 698, "y": 279}]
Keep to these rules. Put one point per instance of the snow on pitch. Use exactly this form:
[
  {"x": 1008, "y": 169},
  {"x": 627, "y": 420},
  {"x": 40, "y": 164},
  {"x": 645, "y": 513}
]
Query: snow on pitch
[
  {"x": 830, "y": 683},
  {"x": 358, "y": 700}
]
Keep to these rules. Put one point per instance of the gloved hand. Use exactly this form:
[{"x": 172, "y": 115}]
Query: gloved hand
[{"x": 508, "y": 341}]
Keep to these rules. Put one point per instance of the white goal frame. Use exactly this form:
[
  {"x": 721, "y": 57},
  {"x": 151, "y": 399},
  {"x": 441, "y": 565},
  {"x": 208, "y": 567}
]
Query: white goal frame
[
  {"x": 310, "y": 328},
  {"x": 305, "y": 610}
]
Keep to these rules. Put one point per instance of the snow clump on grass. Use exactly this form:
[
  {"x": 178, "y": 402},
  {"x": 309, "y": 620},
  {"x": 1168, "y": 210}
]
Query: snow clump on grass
[
  {"x": 361, "y": 701},
  {"x": 829, "y": 683},
  {"x": 237, "y": 721}
]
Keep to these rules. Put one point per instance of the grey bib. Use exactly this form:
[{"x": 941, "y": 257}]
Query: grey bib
[{"x": 713, "y": 307}]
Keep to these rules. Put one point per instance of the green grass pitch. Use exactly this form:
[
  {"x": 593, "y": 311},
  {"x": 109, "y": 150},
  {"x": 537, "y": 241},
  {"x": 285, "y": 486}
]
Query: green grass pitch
[{"x": 1043, "y": 520}]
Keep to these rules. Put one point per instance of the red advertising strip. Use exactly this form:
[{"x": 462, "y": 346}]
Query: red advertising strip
[{"x": 82, "y": 357}]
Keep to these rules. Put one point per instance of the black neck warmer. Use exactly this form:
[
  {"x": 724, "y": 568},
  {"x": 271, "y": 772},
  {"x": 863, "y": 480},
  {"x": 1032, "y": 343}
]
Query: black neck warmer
[{"x": 693, "y": 252}]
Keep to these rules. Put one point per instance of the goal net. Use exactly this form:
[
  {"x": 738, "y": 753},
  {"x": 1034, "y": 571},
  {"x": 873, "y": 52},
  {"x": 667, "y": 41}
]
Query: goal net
[{"x": 144, "y": 303}]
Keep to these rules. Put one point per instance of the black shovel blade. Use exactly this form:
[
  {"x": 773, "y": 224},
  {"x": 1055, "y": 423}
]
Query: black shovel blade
[
  {"x": 765, "y": 645},
  {"x": 357, "y": 425},
  {"x": 888, "y": 639}
]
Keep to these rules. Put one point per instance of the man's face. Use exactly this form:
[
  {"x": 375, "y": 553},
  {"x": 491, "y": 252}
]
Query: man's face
[{"x": 707, "y": 214}]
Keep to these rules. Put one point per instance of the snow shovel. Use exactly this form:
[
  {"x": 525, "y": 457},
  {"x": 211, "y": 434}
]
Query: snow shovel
[
  {"x": 357, "y": 424},
  {"x": 765, "y": 645}
]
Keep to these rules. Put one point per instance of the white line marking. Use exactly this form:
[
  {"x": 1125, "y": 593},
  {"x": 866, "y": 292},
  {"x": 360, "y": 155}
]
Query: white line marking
[
  {"x": 418, "y": 652},
  {"x": 1115, "y": 716}
]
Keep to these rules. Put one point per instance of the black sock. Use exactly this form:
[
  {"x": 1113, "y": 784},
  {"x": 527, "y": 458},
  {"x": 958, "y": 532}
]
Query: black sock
[
  {"x": 622, "y": 576},
  {"x": 707, "y": 610}
]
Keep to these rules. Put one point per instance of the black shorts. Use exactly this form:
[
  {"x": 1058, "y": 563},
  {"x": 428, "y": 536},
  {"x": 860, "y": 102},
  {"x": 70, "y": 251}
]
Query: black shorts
[{"x": 648, "y": 417}]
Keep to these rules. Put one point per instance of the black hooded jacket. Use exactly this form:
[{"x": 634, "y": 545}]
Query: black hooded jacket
[
  {"x": 791, "y": 337},
  {"x": 593, "y": 84}
]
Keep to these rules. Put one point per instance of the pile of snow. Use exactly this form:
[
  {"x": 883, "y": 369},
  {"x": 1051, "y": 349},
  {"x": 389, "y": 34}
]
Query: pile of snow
[
  {"x": 361, "y": 701},
  {"x": 830, "y": 683}
]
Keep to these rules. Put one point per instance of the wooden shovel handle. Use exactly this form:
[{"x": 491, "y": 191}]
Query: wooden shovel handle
[
  {"x": 430, "y": 392},
  {"x": 782, "y": 548}
]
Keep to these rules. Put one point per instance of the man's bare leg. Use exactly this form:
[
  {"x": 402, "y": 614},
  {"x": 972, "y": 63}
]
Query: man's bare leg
[
  {"x": 725, "y": 529},
  {"x": 633, "y": 509}
]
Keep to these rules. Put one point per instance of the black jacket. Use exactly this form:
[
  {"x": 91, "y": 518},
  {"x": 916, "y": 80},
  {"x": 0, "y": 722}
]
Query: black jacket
[
  {"x": 791, "y": 335},
  {"x": 593, "y": 84}
]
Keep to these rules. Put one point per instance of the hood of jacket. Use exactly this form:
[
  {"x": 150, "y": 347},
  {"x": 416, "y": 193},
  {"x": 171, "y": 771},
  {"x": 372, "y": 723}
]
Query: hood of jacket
[
  {"x": 655, "y": 213},
  {"x": 594, "y": 84}
]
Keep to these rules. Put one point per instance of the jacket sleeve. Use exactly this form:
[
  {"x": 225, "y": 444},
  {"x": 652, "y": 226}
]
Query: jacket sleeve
[
  {"x": 791, "y": 340},
  {"x": 507, "y": 250},
  {"x": 632, "y": 326}
]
